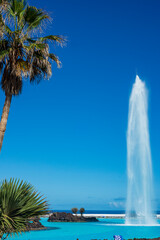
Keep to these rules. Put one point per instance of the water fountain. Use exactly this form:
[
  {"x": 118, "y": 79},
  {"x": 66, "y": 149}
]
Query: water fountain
[{"x": 139, "y": 196}]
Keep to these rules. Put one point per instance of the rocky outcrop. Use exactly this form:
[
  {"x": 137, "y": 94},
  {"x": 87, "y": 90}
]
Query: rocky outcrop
[
  {"x": 35, "y": 224},
  {"x": 68, "y": 217}
]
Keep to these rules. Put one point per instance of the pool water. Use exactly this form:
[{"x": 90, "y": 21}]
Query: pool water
[{"x": 103, "y": 229}]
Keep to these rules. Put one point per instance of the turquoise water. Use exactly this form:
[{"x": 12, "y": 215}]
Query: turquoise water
[{"x": 87, "y": 231}]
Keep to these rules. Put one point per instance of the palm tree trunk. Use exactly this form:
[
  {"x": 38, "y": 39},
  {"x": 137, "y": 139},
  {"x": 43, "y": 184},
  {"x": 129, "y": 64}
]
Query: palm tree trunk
[{"x": 4, "y": 118}]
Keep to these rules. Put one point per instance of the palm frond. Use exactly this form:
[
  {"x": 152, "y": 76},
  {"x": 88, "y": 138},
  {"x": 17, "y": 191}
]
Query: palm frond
[
  {"x": 4, "y": 49},
  {"x": 55, "y": 58},
  {"x": 36, "y": 45},
  {"x": 3, "y": 54},
  {"x": 55, "y": 38},
  {"x": 34, "y": 17},
  {"x": 11, "y": 81},
  {"x": 18, "y": 203},
  {"x": 16, "y": 7},
  {"x": 4, "y": 4},
  {"x": 22, "y": 54},
  {"x": 8, "y": 30}
]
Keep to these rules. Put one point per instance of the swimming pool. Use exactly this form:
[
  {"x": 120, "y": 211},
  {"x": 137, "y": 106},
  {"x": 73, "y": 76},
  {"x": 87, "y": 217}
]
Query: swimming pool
[{"x": 106, "y": 228}]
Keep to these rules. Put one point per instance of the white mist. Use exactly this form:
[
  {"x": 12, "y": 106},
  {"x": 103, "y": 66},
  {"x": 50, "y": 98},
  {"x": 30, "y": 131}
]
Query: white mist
[{"x": 139, "y": 196}]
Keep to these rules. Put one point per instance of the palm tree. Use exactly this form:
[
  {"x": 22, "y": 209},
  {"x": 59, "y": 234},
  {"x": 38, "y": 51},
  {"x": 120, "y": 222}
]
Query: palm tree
[
  {"x": 82, "y": 210},
  {"x": 18, "y": 203},
  {"x": 24, "y": 52},
  {"x": 74, "y": 210}
]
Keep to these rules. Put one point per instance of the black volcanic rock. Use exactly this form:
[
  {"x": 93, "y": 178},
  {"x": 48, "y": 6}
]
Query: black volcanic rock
[
  {"x": 35, "y": 224},
  {"x": 69, "y": 217}
]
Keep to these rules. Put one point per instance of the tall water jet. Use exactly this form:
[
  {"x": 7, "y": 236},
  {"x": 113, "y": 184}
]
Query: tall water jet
[{"x": 139, "y": 164}]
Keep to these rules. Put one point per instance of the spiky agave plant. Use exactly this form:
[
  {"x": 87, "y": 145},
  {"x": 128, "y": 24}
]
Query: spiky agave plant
[
  {"x": 24, "y": 53},
  {"x": 18, "y": 203}
]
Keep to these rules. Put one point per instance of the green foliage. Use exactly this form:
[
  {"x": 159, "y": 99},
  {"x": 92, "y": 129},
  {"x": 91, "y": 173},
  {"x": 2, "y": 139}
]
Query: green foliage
[
  {"x": 24, "y": 52},
  {"x": 82, "y": 210},
  {"x": 74, "y": 210},
  {"x": 18, "y": 203}
]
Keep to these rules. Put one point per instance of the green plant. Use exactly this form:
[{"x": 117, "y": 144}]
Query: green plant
[
  {"x": 82, "y": 210},
  {"x": 24, "y": 51},
  {"x": 74, "y": 210},
  {"x": 18, "y": 203}
]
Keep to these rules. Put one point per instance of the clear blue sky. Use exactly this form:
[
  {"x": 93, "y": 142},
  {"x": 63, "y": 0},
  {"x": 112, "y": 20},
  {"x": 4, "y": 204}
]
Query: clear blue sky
[{"x": 67, "y": 136}]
